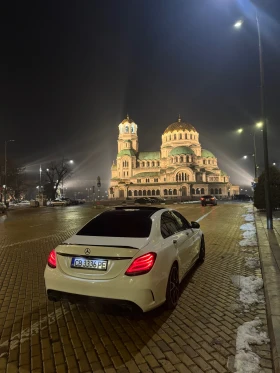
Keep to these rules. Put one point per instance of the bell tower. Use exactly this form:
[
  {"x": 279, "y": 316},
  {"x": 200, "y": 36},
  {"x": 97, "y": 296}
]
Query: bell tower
[{"x": 128, "y": 138}]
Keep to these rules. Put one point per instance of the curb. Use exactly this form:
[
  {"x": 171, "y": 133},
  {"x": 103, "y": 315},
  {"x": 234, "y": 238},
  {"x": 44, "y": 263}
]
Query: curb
[{"x": 269, "y": 251}]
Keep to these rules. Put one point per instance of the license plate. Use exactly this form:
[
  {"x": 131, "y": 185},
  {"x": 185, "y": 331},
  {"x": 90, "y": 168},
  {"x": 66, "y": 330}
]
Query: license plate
[
  {"x": 208, "y": 200},
  {"x": 97, "y": 264}
]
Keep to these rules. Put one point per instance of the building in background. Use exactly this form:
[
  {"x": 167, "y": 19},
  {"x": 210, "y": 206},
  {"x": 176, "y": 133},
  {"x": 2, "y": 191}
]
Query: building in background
[{"x": 181, "y": 168}]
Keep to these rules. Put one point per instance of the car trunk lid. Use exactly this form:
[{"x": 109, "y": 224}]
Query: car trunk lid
[{"x": 116, "y": 257}]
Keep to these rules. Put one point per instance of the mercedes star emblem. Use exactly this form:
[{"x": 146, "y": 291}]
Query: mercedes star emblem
[{"x": 87, "y": 251}]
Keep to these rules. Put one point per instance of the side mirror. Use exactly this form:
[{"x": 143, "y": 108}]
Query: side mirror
[{"x": 195, "y": 225}]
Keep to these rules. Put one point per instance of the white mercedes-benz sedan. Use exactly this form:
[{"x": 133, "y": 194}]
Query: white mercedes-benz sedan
[{"x": 132, "y": 255}]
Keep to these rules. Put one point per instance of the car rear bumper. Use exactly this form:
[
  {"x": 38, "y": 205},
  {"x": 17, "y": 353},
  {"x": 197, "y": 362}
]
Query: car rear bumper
[{"x": 121, "y": 289}]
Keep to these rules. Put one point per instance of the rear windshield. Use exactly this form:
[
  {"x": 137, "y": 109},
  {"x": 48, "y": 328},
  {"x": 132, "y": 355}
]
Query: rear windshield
[
  {"x": 135, "y": 224},
  {"x": 207, "y": 196}
]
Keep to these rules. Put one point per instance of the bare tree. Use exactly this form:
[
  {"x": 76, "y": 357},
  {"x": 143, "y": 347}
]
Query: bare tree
[{"x": 55, "y": 175}]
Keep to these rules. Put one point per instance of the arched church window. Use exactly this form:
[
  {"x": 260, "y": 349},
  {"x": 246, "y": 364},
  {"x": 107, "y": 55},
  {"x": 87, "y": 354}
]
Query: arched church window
[
  {"x": 191, "y": 136},
  {"x": 140, "y": 193},
  {"x": 158, "y": 164},
  {"x": 143, "y": 164},
  {"x": 204, "y": 162},
  {"x": 174, "y": 136},
  {"x": 216, "y": 191},
  {"x": 148, "y": 164},
  {"x": 132, "y": 129},
  {"x": 153, "y": 164},
  {"x": 144, "y": 192},
  {"x": 165, "y": 192},
  {"x": 158, "y": 192},
  {"x": 180, "y": 136},
  {"x": 165, "y": 138},
  {"x": 220, "y": 191},
  {"x": 185, "y": 177},
  {"x": 193, "y": 191},
  {"x": 209, "y": 161},
  {"x": 186, "y": 136},
  {"x": 181, "y": 159},
  {"x": 135, "y": 193},
  {"x": 176, "y": 159},
  {"x": 126, "y": 129},
  {"x": 211, "y": 191},
  {"x": 175, "y": 192},
  {"x": 149, "y": 193},
  {"x": 202, "y": 191},
  {"x": 130, "y": 193},
  {"x": 197, "y": 191},
  {"x": 153, "y": 192},
  {"x": 170, "y": 192}
]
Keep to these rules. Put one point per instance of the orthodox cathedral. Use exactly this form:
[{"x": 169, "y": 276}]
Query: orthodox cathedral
[{"x": 181, "y": 168}]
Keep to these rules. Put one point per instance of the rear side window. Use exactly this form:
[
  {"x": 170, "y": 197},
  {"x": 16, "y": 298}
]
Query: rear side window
[
  {"x": 118, "y": 224},
  {"x": 168, "y": 225}
]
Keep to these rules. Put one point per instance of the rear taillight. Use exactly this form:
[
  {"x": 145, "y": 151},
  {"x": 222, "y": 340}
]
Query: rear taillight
[
  {"x": 213, "y": 198},
  {"x": 142, "y": 265},
  {"x": 52, "y": 259},
  {"x": 202, "y": 199}
]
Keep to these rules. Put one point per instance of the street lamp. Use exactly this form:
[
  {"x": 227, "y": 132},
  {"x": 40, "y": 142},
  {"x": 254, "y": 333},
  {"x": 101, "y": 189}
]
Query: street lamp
[
  {"x": 245, "y": 156},
  {"x": 273, "y": 164},
  {"x": 240, "y": 130},
  {"x": 40, "y": 170},
  {"x": 238, "y": 24},
  {"x": 62, "y": 180},
  {"x": 5, "y": 189},
  {"x": 269, "y": 220}
]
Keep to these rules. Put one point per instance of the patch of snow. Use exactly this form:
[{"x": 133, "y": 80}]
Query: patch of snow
[
  {"x": 276, "y": 218},
  {"x": 249, "y": 234},
  {"x": 249, "y": 334},
  {"x": 248, "y": 227},
  {"x": 248, "y": 242},
  {"x": 248, "y": 289},
  {"x": 249, "y": 217},
  {"x": 252, "y": 262},
  {"x": 250, "y": 210}
]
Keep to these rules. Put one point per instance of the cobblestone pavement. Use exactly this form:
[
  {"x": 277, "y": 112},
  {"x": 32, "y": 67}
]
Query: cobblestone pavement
[{"x": 41, "y": 336}]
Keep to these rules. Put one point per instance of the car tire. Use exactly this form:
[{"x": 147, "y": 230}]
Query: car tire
[
  {"x": 173, "y": 288},
  {"x": 201, "y": 256}
]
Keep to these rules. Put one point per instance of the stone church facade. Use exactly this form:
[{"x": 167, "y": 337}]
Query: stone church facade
[{"x": 180, "y": 169}]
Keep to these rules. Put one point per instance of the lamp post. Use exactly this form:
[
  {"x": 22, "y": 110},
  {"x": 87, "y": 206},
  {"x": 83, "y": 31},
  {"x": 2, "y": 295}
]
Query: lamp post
[
  {"x": 62, "y": 180},
  {"x": 40, "y": 170},
  {"x": 5, "y": 189},
  {"x": 269, "y": 220}
]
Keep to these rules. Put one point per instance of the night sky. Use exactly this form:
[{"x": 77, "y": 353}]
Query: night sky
[{"x": 71, "y": 70}]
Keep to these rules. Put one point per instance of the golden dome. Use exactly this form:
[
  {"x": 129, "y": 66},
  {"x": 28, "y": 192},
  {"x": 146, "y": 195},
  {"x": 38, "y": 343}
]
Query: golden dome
[
  {"x": 179, "y": 125},
  {"x": 127, "y": 120}
]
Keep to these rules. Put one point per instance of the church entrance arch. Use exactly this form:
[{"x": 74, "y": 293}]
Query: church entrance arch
[
  {"x": 121, "y": 193},
  {"x": 184, "y": 191}
]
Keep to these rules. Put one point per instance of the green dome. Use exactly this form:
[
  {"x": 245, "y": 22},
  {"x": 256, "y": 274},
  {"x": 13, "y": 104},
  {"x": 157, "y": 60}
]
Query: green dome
[
  {"x": 206, "y": 154},
  {"x": 129, "y": 152},
  {"x": 181, "y": 150}
]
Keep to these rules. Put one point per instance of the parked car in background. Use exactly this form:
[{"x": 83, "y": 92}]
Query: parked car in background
[
  {"x": 58, "y": 202},
  {"x": 242, "y": 197},
  {"x": 143, "y": 200},
  {"x": 2, "y": 207},
  {"x": 135, "y": 255},
  {"x": 157, "y": 200},
  {"x": 209, "y": 200}
]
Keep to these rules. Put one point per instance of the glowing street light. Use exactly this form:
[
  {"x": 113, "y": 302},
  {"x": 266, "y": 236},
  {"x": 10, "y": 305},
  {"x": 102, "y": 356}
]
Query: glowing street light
[
  {"x": 238, "y": 24},
  {"x": 240, "y": 130},
  {"x": 259, "y": 124},
  {"x": 274, "y": 164},
  {"x": 245, "y": 156},
  {"x": 269, "y": 219}
]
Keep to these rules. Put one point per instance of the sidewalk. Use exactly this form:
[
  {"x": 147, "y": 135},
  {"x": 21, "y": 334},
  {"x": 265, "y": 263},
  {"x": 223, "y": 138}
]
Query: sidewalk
[{"x": 269, "y": 248}]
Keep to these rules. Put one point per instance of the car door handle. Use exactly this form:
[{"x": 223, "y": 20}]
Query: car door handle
[{"x": 174, "y": 241}]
